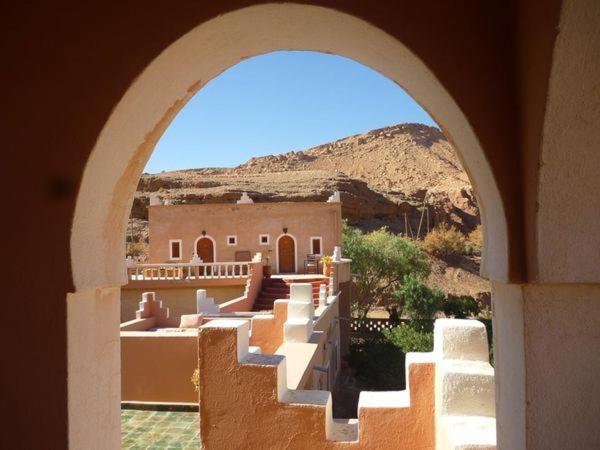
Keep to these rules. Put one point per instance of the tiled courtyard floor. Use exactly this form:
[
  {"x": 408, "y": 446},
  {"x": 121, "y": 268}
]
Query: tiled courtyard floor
[{"x": 159, "y": 430}]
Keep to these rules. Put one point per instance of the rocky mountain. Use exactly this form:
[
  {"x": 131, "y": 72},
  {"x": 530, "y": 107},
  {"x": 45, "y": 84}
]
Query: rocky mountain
[{"x": 405, "y": 176}]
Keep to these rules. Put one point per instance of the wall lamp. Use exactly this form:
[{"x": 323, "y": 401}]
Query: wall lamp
[
  {"x": 285, "y": 230},
  {"x": 203, "y": 232}
]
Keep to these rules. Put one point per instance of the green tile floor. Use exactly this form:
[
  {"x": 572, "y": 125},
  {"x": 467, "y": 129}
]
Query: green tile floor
[{"x": 159, "y": 430}]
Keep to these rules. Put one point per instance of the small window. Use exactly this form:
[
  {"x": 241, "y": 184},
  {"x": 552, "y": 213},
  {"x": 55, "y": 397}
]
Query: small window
[
  {"x": 175, "y": 249},
  {"x": 263, "y": 239},
  {"x": 231, "y": 240},
  {"x": 316, "y": 245}
]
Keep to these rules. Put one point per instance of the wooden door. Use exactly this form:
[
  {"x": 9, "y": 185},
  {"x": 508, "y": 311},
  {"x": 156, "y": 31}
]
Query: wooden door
[
  {"x": 205, "y": 249},
  {"x": 287, "y": 255}
]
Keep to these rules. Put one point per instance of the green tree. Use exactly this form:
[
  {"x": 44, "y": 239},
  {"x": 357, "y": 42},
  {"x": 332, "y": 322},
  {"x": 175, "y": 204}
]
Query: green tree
[
  {"x": 419, "y": 301},
  {"x": 409, "y": 338},
  {"x": 461, "y": 307},
  {"x": 380, "y": 261}
]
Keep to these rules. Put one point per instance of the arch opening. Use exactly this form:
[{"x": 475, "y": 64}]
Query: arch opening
[
  {"x": 206, "y": 248},
  {"x": 157, "y": 95},
  {"x": 106, "y": 194}
]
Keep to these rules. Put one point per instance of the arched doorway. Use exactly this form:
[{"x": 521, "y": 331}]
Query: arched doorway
[
  {"x": 147, "y": 107},
  {"x": 205, "y": 249},
  {"x": 286, "y": 254}
]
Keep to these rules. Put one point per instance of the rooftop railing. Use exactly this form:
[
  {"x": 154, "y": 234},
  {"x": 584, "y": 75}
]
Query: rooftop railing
[{"x": 188, "y": 271}]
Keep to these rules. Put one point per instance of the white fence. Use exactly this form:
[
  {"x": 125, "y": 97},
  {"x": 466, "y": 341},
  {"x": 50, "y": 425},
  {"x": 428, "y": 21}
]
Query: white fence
[{"x": 188, "y": 271}]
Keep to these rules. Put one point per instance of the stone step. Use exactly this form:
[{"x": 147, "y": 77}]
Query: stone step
[{"x": 269, "y": 295}]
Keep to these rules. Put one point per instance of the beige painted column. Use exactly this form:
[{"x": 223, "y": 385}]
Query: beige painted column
[
  {"x": 547, "y": 360},
  {"x": 561, "y": 305},
  {"x": 509, "y": 364},
  {"x": 94, "y": 367}
]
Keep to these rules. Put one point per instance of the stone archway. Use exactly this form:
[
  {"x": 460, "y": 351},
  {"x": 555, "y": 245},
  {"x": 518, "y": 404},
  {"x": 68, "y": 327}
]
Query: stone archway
[{"x": 121, "y": 152}]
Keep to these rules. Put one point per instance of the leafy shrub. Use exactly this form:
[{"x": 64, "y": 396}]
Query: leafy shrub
[
  {"x": 139, "y": 250},
  {"x": 379, "y": 361},
  {"x": 461, "y": 307},
  {"x": 326, "y": 260},
  {"x": 409, "y": 338},
  {"x": 444, "y": 241},
  {"x": 418, "y": 300},
  {"x": 378, "y": 364},
  {"x": 475, "y": 241},
  {"x": 380, "y": 261}
]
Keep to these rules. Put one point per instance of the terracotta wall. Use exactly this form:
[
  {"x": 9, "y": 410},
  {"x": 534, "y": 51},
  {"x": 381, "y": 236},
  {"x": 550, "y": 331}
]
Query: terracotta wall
[
  {"x": 255, "y": 398},
  {"x": 267, "y": 331},
  {"x": 246, "y": 221},
  {"x": 157, "y": 366}
]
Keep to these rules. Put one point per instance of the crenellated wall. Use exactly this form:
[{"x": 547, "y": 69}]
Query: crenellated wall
[{"x": 448, "y": 403}]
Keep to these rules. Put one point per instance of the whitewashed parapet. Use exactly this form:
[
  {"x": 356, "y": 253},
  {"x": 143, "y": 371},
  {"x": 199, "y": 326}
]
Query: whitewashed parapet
[
  {"x": 204, "y": 304},
  {"x": 301, "y": 310},
  {"x": 245, "y": 199},
  {"x": 334, "y": 198},
  {"x": 342, "y": 271},
  {"x": 322, "y": 295},
  {"x": 150, "y": 307},
  {"x": 337, "y": 254},
  {"x": 464, "y": 386}
]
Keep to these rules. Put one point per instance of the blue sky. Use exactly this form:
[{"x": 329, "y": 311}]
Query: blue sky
[{"x": 279, "y": 102}]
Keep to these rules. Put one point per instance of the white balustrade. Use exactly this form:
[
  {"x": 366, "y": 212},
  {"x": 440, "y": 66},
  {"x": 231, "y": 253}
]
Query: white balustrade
[{"x": 188, "y": 271}]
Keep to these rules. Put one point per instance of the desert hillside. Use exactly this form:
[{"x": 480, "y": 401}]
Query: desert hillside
[{"x": 385, "y": 177}]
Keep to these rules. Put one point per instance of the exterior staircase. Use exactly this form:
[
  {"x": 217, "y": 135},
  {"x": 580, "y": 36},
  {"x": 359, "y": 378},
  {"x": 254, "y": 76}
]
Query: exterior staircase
[{"x": 279, "y": 288}]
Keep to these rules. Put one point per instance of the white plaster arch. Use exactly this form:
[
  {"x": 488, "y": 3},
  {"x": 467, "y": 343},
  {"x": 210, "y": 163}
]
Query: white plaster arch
[
  {"x": 163, "y": 88},
  {"x": 214, "y": 245},
  {"x": 143, "y": 114},
  {"x": 295, "y": 251}
]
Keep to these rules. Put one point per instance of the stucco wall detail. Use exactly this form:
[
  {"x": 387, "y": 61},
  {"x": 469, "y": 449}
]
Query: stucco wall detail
[
  {"x": 301, "y": 220},
  {"x": 562, "y": 320},
  {"x": 568, "y": 203}
]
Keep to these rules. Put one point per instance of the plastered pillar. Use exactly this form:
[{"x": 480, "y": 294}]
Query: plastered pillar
[
  {"x": 94, "y": 364},
  {"x": 509, "y": 364},
  {"x": 300, "y": 313}
]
